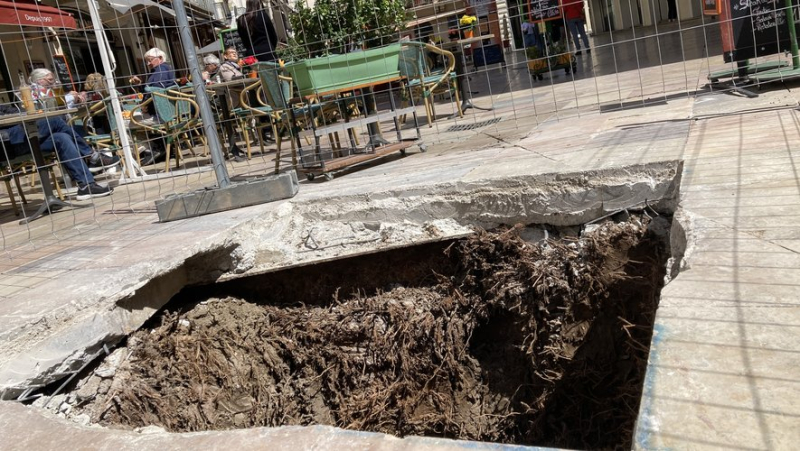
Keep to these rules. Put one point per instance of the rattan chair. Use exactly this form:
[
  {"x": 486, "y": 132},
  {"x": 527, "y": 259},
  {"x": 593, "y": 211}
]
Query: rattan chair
[{"x": 425, "y": 83}]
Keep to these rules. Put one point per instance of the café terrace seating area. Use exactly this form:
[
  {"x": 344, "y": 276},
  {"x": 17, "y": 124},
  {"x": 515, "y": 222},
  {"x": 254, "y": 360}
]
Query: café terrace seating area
[
  {"x": 190, "y": 165},
  {"x": 345, "y": 110}
]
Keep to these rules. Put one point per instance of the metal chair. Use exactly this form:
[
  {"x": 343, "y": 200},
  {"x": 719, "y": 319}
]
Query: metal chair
[
  {"x": 285, "y": 117},
  {"x": 13, "y": 168},
  {"x": 177, "y": 115},
  {"x": 423, "y": 81},
  {"x": 248, "y": 115},
  {"x": 108, "y": 141}
]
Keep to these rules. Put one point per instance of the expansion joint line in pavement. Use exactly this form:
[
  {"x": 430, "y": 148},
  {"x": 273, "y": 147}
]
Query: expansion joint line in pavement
[
  {"x": 736, "y": 229},
  {"x": 531, "y": 151},
  {"x": 748, "y": 111}
]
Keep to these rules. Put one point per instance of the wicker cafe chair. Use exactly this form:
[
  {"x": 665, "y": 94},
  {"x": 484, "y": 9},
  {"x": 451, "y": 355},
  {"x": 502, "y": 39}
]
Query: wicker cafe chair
[
  {"x": 13, "y": 168},
  {"x": 285, "y": 117},
  {"x": 107, "y": 141},
  {"x": 178, "y": 116},
  {"x": 248, "y": 115},
  {"x": 6, "y": 174},
  {"x": 422, "y": 81}
]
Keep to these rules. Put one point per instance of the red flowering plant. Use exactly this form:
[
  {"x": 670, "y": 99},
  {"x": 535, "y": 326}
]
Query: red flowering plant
[{"x": 248, "y": 61}]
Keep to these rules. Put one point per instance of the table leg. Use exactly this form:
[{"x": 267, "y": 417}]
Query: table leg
[
  {"x": 375, "y": 137},
  {"x": 463, "y": 82},
  {"x": 233, "y": 148},
  {"x": 51, "y": 203}
]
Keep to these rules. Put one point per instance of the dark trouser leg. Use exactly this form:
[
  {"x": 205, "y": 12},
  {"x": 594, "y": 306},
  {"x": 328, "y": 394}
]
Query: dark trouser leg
[{"x": 69, "y": 155}]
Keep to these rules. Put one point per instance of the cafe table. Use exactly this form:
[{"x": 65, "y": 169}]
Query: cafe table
[
  {"x": 28, "y": 120},
  {"x": 457, "y": 49},
  {"x": 316, "y": 163}
]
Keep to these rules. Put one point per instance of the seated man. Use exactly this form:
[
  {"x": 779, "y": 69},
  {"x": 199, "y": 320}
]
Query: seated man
[
  {"x": 42, "y": 83},
  {"x": 161, "y": 76},
  {"x": 55, "y": 134}
]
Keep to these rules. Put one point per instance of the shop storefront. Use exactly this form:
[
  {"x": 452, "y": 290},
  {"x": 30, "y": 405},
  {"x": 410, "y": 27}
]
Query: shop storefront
[{"x": 27, "y": 33}]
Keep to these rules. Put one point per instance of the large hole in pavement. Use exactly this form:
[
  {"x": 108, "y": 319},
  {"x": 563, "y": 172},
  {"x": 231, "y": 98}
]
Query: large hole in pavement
[{"x": 504, "y": 336}]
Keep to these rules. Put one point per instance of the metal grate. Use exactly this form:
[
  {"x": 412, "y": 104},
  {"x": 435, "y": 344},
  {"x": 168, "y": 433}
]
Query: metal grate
[{"x": 474, "y": 125}]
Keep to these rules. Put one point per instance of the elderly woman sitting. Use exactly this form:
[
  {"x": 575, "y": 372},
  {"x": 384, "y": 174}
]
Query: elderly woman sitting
[
  {"x": 230, "y": 69},
  {"x": 210, "y": 67},
  {"x": 227, "y": 71}
]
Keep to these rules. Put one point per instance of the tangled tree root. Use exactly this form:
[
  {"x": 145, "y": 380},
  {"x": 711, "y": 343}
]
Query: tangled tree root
[{"x": 524, "y": 343}]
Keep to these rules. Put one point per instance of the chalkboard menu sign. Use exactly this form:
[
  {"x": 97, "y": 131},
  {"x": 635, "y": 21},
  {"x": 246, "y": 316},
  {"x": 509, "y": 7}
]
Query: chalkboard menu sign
[
  {"x": 62, "y": 71},
  {"x": 230, "y": 38},
  {"x": 543, "y": 10},
  {"x": 756, "y": 28}
]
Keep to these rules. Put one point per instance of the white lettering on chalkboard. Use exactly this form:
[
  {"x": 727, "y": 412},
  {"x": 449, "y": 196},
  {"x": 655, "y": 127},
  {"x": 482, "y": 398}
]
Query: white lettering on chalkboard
[{"x": 544, "y": 10}]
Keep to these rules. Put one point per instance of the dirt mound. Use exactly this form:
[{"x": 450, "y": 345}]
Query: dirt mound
[{"x": 523, "y": 343}]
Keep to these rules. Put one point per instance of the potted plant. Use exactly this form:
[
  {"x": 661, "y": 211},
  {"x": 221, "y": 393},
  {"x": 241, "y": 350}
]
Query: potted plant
[
  {"x": 349, "y": 42},
  {"x": 467, "y": 23},
  {"x": 340, "y": 26}
]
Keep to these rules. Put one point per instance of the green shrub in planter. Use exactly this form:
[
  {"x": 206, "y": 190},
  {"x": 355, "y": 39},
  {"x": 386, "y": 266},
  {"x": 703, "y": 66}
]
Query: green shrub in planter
[{"x": 337, "y": 72}]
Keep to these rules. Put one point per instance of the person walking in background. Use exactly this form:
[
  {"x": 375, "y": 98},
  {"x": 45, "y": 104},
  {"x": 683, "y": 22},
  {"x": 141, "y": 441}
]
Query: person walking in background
[
  {"x": 257, "y": 32},
  {"x": 259, "y": 39},
  {"x": 528, "y": 38},
  {"x": 672, "y": 10},
  {"x": 531, "y": 36},
  {"x": 576, "y": 22}
]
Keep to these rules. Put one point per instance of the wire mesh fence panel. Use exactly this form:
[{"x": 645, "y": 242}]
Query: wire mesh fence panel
[{"x": 350, "y": 81}]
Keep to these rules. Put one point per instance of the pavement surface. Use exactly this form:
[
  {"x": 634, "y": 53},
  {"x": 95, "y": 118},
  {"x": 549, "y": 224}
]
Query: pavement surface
[{"x": 724, "y": 361}]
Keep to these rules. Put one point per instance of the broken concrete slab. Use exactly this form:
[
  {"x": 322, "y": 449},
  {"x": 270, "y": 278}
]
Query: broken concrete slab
[
  {"x": 33, "y": 428},
  {"x": 64, "y": 325},
  {"x": 237, "y": 195}
]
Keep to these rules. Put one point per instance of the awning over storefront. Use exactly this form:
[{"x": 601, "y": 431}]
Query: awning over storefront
[
  {"x": 32, "y": 15},
  {"x": 124, "y": 6}
]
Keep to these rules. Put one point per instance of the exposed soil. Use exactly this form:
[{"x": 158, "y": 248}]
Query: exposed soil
[{"x": 508, "y": 341}]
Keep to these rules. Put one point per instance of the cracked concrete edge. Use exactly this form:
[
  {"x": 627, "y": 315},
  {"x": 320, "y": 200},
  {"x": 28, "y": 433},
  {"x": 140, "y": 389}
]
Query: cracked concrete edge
[
  {"x": 36, "y": 429},
  {"x": 683, "y": 239},
  {"x": 58, "y": 342}
]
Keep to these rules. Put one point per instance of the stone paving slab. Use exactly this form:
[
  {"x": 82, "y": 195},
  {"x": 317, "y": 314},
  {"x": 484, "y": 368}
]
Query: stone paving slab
[{"x": 723, "y": 364}]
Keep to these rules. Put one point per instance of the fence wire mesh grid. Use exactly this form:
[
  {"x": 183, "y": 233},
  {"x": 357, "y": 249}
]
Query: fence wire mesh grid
[{"x": 124, "y": 93}]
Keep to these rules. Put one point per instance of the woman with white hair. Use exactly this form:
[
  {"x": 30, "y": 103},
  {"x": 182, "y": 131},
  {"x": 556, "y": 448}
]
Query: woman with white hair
[
  {"x": 210, "y": 66},
  {"x": 43, "y": 81}
]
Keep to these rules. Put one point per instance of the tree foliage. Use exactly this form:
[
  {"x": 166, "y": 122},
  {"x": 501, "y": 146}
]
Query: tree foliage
[{"x": 338, "y": 26}]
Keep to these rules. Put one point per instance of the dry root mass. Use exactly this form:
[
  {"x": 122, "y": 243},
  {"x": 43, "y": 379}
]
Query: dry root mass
[{"x": 534, "y": 343}]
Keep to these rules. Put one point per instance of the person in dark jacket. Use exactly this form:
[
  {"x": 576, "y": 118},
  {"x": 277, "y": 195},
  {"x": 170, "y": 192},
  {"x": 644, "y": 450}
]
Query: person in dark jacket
[
  {"x": 161, "y": 73},
  {"x": 72, "y": 150},
  {"x": 257, "y": 32},
  {"x": 161, "y": 76}
]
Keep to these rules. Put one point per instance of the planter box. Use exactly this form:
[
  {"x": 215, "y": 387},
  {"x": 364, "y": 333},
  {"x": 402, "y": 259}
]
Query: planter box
[{"x": 342, "y": 72}]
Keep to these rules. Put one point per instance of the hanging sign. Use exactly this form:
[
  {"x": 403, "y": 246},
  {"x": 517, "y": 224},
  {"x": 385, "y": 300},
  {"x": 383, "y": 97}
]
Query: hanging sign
[{"x": 712, "y": 7}]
